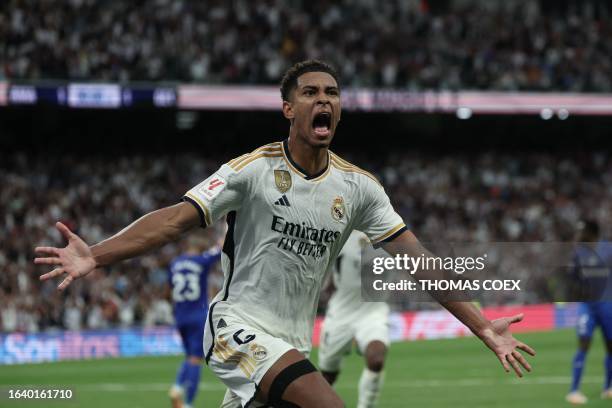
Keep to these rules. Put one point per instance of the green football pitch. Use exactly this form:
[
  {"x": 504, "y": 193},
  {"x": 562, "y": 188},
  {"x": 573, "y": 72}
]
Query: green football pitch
[{"x": 443, "y": 373}]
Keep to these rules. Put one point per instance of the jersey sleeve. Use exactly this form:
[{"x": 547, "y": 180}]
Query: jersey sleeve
[
  {"x": 378, "y": 220},
  {"x": 219, "y": 194}
]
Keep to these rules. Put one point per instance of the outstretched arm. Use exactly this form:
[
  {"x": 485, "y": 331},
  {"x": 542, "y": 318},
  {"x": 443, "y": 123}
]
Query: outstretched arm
[
  {"x": 494, "y": 334},
  {"x": 151, "y": 231}
]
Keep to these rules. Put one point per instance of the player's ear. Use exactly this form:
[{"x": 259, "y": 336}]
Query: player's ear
[{"x": 288, "y": 110}]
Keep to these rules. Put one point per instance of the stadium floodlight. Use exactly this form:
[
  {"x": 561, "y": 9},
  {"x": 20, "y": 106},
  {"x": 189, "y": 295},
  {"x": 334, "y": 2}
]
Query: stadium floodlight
[
  {"x": 563, "y": 114},
  {"x": 547, "y": 114},
  {"x": 464, "y": 113}
]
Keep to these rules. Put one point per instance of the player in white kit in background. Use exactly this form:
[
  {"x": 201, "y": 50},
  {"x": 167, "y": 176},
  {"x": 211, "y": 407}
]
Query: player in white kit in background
[{"x": 348, "y": 317}]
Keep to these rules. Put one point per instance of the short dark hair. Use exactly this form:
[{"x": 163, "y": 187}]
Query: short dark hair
[{"x": 289, "y": 81}]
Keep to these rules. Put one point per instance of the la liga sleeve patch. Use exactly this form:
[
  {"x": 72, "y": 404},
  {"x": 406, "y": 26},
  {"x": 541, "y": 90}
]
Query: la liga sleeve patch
[{"x": 212, "y": 186}]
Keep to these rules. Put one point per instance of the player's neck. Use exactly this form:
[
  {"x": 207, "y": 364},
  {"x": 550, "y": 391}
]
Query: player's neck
[{"x": 313, "y": 160}]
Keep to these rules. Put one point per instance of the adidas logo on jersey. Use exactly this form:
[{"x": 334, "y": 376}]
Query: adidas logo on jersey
[
  {"x": 283, "y": 201},
  {"x": 221, "y": 324}
]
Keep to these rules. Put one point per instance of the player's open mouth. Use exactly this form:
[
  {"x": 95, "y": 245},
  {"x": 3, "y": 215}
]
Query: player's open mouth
[{"x": 322, "y": 124}]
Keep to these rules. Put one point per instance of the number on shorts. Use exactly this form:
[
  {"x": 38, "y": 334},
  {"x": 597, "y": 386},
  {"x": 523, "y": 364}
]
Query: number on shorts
[{"x": 246, "y": 340}]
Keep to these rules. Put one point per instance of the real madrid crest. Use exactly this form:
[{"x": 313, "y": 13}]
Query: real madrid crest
[
  {"x": 337, "y": 210},
  {"x": 283, "y": 180}
]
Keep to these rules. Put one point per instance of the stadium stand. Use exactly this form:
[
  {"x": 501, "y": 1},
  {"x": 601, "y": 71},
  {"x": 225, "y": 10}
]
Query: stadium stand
[{"x": 502, "y": 45}]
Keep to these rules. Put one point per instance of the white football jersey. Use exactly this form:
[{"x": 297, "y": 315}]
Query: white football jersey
[{"x": 284, "y": 230}]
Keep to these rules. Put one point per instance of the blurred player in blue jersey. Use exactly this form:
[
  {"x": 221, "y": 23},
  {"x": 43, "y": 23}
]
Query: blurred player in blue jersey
[
  {"x": 188, "y": 275},
  {"x": 592, "y": 265}
]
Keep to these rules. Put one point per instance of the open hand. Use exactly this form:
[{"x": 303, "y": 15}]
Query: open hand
[
  {"x": 505, "y": 346},
  {"x": 75, "y": 260}
]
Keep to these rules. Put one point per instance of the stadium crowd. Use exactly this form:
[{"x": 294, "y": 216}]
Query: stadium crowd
[
  {"x": 479, "y": 197},
  {"x": 96, "y": 198},
  {"x": 410, "y": 44}
]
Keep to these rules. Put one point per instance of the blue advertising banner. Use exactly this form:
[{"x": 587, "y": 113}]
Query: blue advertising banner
[{"x": 18, "y": 348}]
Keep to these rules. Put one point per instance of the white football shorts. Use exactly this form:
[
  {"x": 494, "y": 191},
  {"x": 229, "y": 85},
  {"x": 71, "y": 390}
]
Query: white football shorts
[
  {"x": 339, "y": 331},
  {"x": 240, "y": 356}
]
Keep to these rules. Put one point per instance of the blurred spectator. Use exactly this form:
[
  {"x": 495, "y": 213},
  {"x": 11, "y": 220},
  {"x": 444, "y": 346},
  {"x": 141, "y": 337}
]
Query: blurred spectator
[
  {"x": 158, "y": 311},
  {"x": 416, "y": 44},
  {"x": 8, "y": 313},
  {"x": 73, "y": 313}
]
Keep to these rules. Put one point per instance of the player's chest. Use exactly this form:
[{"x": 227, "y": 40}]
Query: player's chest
[{"x": 324, "y": 204}]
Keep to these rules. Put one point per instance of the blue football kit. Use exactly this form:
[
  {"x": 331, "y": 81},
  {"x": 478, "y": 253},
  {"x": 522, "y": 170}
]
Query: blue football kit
[
  {"x": 189, "y": 282},
  {"x": 188, "y": 276},
  {"x": 592, "y": 267}
]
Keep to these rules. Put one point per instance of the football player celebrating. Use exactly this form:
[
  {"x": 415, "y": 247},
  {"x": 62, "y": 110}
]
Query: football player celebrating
[{"x": 290, "y": 207}]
